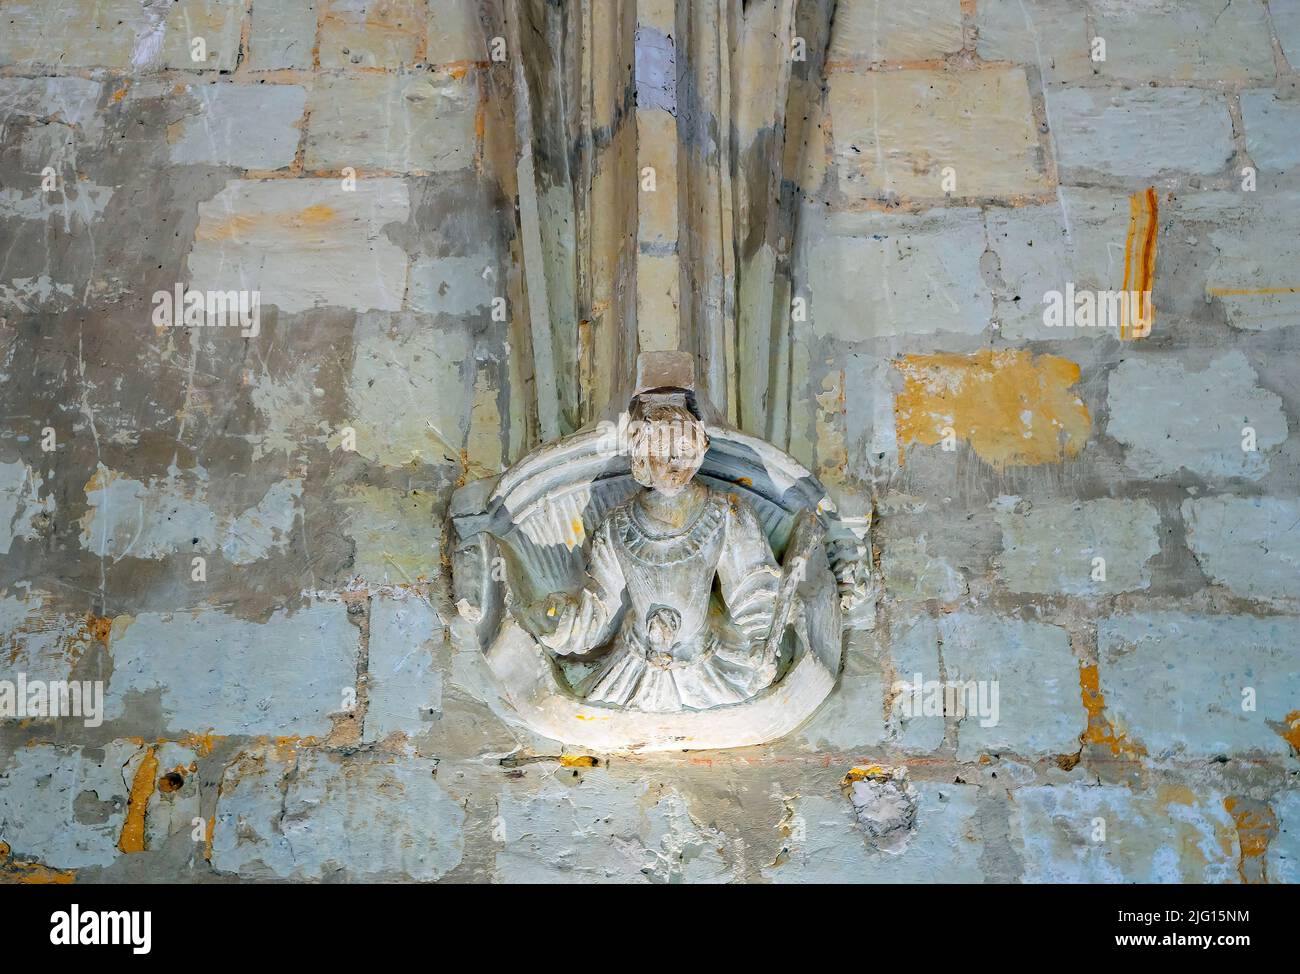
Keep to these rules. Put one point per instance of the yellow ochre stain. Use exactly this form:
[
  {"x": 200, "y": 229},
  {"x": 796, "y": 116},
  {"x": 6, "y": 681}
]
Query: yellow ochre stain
[
  {"x": 1100, "y": 730},
  {"x": 578, "y": 761},
  {"x": 1233, "y": 292},
  {"x": 132, "y": 838},
  {"x": 1256, "y": 825},
  {"x": 1291, "y": 731},
  {"x": 30, "y": 873},
  {"x": 865, "y": 774},
  {"x": 1140, "y": 263},
  {"x": 1012, "y": 407}
]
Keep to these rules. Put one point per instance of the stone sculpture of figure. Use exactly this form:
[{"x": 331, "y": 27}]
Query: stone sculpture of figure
[{"x": 650, "y": 581}]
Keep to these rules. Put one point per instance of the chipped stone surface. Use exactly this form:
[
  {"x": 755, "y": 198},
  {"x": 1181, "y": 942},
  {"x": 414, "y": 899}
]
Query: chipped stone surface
[
  {"x": 1249, "y": 544},
  {"x": 170, "y": 515},
  {"x": 1172, "y": 416},
  {"x": 216, "y": 22},
  {"x": 1176, "y": 681},
  {"x": 307, "y": 815},
  {"x": 895, "y": 133},
  {"x": 825, "y": 844},
  {"x": 241, "y": 125},
  {"x": 255, "y": 234},
  {"x": 65, "y": 806},
  {"x": 22, "y": 507},
  {"x": 1112, "y": 130},
  {"x": 215, "y": 672},
  {"x": 397, "y": 122},
  {"x": 1052, "y": 548},
  {"x": 1171, "y": 836},
  {"x": 116, "y": 34},
  {"x": 453, "y": 285},
  {"x": 599, "y": 829}
]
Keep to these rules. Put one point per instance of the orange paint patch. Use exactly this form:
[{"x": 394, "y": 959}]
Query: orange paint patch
[
  {"x": 200, "y": 744},
  {"x": 1256, "y": 826},
  {"x": 132, "y": 838},
  {"x": 1289, "y": 731},
  {"x": 1013, "y": 408},
  {"x": 1100, "y": 730},
  {"x": 1140, "y": 263},
  {"x": 30, "y": 873},
  {"x": 99, "y": 626},
  {"x": 875, "y": 771}
]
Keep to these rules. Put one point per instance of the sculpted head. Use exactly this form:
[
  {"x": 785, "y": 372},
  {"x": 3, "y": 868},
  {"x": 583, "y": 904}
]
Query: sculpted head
[{"x": 667, "y": 445}]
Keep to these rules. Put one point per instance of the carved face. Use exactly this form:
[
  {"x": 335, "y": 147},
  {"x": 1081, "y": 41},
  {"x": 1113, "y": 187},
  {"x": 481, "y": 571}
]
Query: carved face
[{"x": 667, "y": 448}]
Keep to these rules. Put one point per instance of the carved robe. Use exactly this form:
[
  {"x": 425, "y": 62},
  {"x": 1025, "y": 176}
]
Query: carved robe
[{"x": 674, "y": 648}]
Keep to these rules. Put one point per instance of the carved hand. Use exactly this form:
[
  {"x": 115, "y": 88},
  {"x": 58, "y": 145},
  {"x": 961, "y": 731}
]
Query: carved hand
[{"x": 551, "y": 619}]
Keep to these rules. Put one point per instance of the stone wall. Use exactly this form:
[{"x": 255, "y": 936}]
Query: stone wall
[{"x": 242, "y": 536}]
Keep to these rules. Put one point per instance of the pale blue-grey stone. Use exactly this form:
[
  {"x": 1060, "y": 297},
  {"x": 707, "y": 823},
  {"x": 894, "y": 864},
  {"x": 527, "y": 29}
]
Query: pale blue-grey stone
[
  {"x": 217, "y": 672},
  {"x": 827, "y": 845},
  {"x": 1024, "y": 678},
  {"x": 1052, "y": 548},
  {"x": 1085, "y": 833},
  {"x": 1173, "y": 416},
  {"x": 1181, "y": 684},
  {"x": 247, "y": 126},
  {"x": 1141, "y": 132},
  {"x": 914, "y": 649},
  {"x": 594, "y": 829},
  {"x": 313, "y": 815},
  {"x": 453, "y": 285},
  {"x": 395, "y": 122},
  {"x": 1282, "y": 861},
  {"x": 876, "y": 276},
  {"x": 1286, "y": 22},
  {"x": 282, "y": 36},
  {"x": 405, "y": 685},
  {"x": 1249, "y": 544},
  {"x": 1180, "y": 40},
  {"x": 1272, "y": 130},
  {"x": 1256, "y": 251},
  {"x": 912, "y": 573},
  {"x": 65, "y": 806},
  {"x": 853, "y": 716}
]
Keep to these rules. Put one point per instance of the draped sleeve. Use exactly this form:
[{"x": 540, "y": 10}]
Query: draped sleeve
[
  {"x": 748, "y": 575},
  {"x": 599, "y": 607}
]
